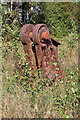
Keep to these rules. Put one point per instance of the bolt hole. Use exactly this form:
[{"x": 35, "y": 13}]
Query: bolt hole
[
  {"x": 31, "y": 39},
  {"x": 51, "y": 49},
  {"x": 42, "y": 48},
  {"x": 53, "y": 80}
]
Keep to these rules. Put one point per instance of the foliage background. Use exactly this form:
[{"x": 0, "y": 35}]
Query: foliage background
[{"x": 24, "y": 96}]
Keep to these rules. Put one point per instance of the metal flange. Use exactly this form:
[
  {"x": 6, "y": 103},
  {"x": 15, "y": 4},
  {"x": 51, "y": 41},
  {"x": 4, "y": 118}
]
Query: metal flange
[{"x": 40, "y": 32}]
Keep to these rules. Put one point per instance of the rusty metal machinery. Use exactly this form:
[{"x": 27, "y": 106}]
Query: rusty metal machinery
[
  {"x": 44, "y": 53},
  {"x": 27, "y": 45}
]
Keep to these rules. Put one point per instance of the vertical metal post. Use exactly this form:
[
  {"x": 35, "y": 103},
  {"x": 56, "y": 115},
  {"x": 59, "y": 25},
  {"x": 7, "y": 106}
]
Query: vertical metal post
[
  {"x": 29, "y": 10},
  {"x": 11, "y": 4}
]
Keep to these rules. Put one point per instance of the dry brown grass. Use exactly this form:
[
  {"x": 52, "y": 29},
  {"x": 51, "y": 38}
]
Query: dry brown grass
[{"x": 16, "y": 102}]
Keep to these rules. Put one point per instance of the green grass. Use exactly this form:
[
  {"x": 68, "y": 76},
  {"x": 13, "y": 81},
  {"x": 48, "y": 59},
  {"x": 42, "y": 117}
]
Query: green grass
[{"x": 26, "y": 97}]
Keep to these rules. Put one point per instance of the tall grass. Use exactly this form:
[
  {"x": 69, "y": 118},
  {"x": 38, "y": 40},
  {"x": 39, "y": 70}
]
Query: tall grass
[{"x": 27, "y": 97}]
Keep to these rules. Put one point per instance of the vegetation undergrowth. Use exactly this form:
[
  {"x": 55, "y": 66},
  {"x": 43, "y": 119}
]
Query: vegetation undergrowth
[{"x": 28, "y": 96}]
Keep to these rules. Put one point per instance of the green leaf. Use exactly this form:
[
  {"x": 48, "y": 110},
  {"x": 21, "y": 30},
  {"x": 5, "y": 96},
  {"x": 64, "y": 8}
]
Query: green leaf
[
  {"x": 62, "y": 113},
  {"x": 56, "y": 75},
  {"x": 57, "y": 68},
  {"x": 24, "y": 83},
  {"x": 66, "y": 116},
  {"x": 55, "y": 84},
  {"x": 54, "y": 64},
  {"x": 65, "y": 95}
]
